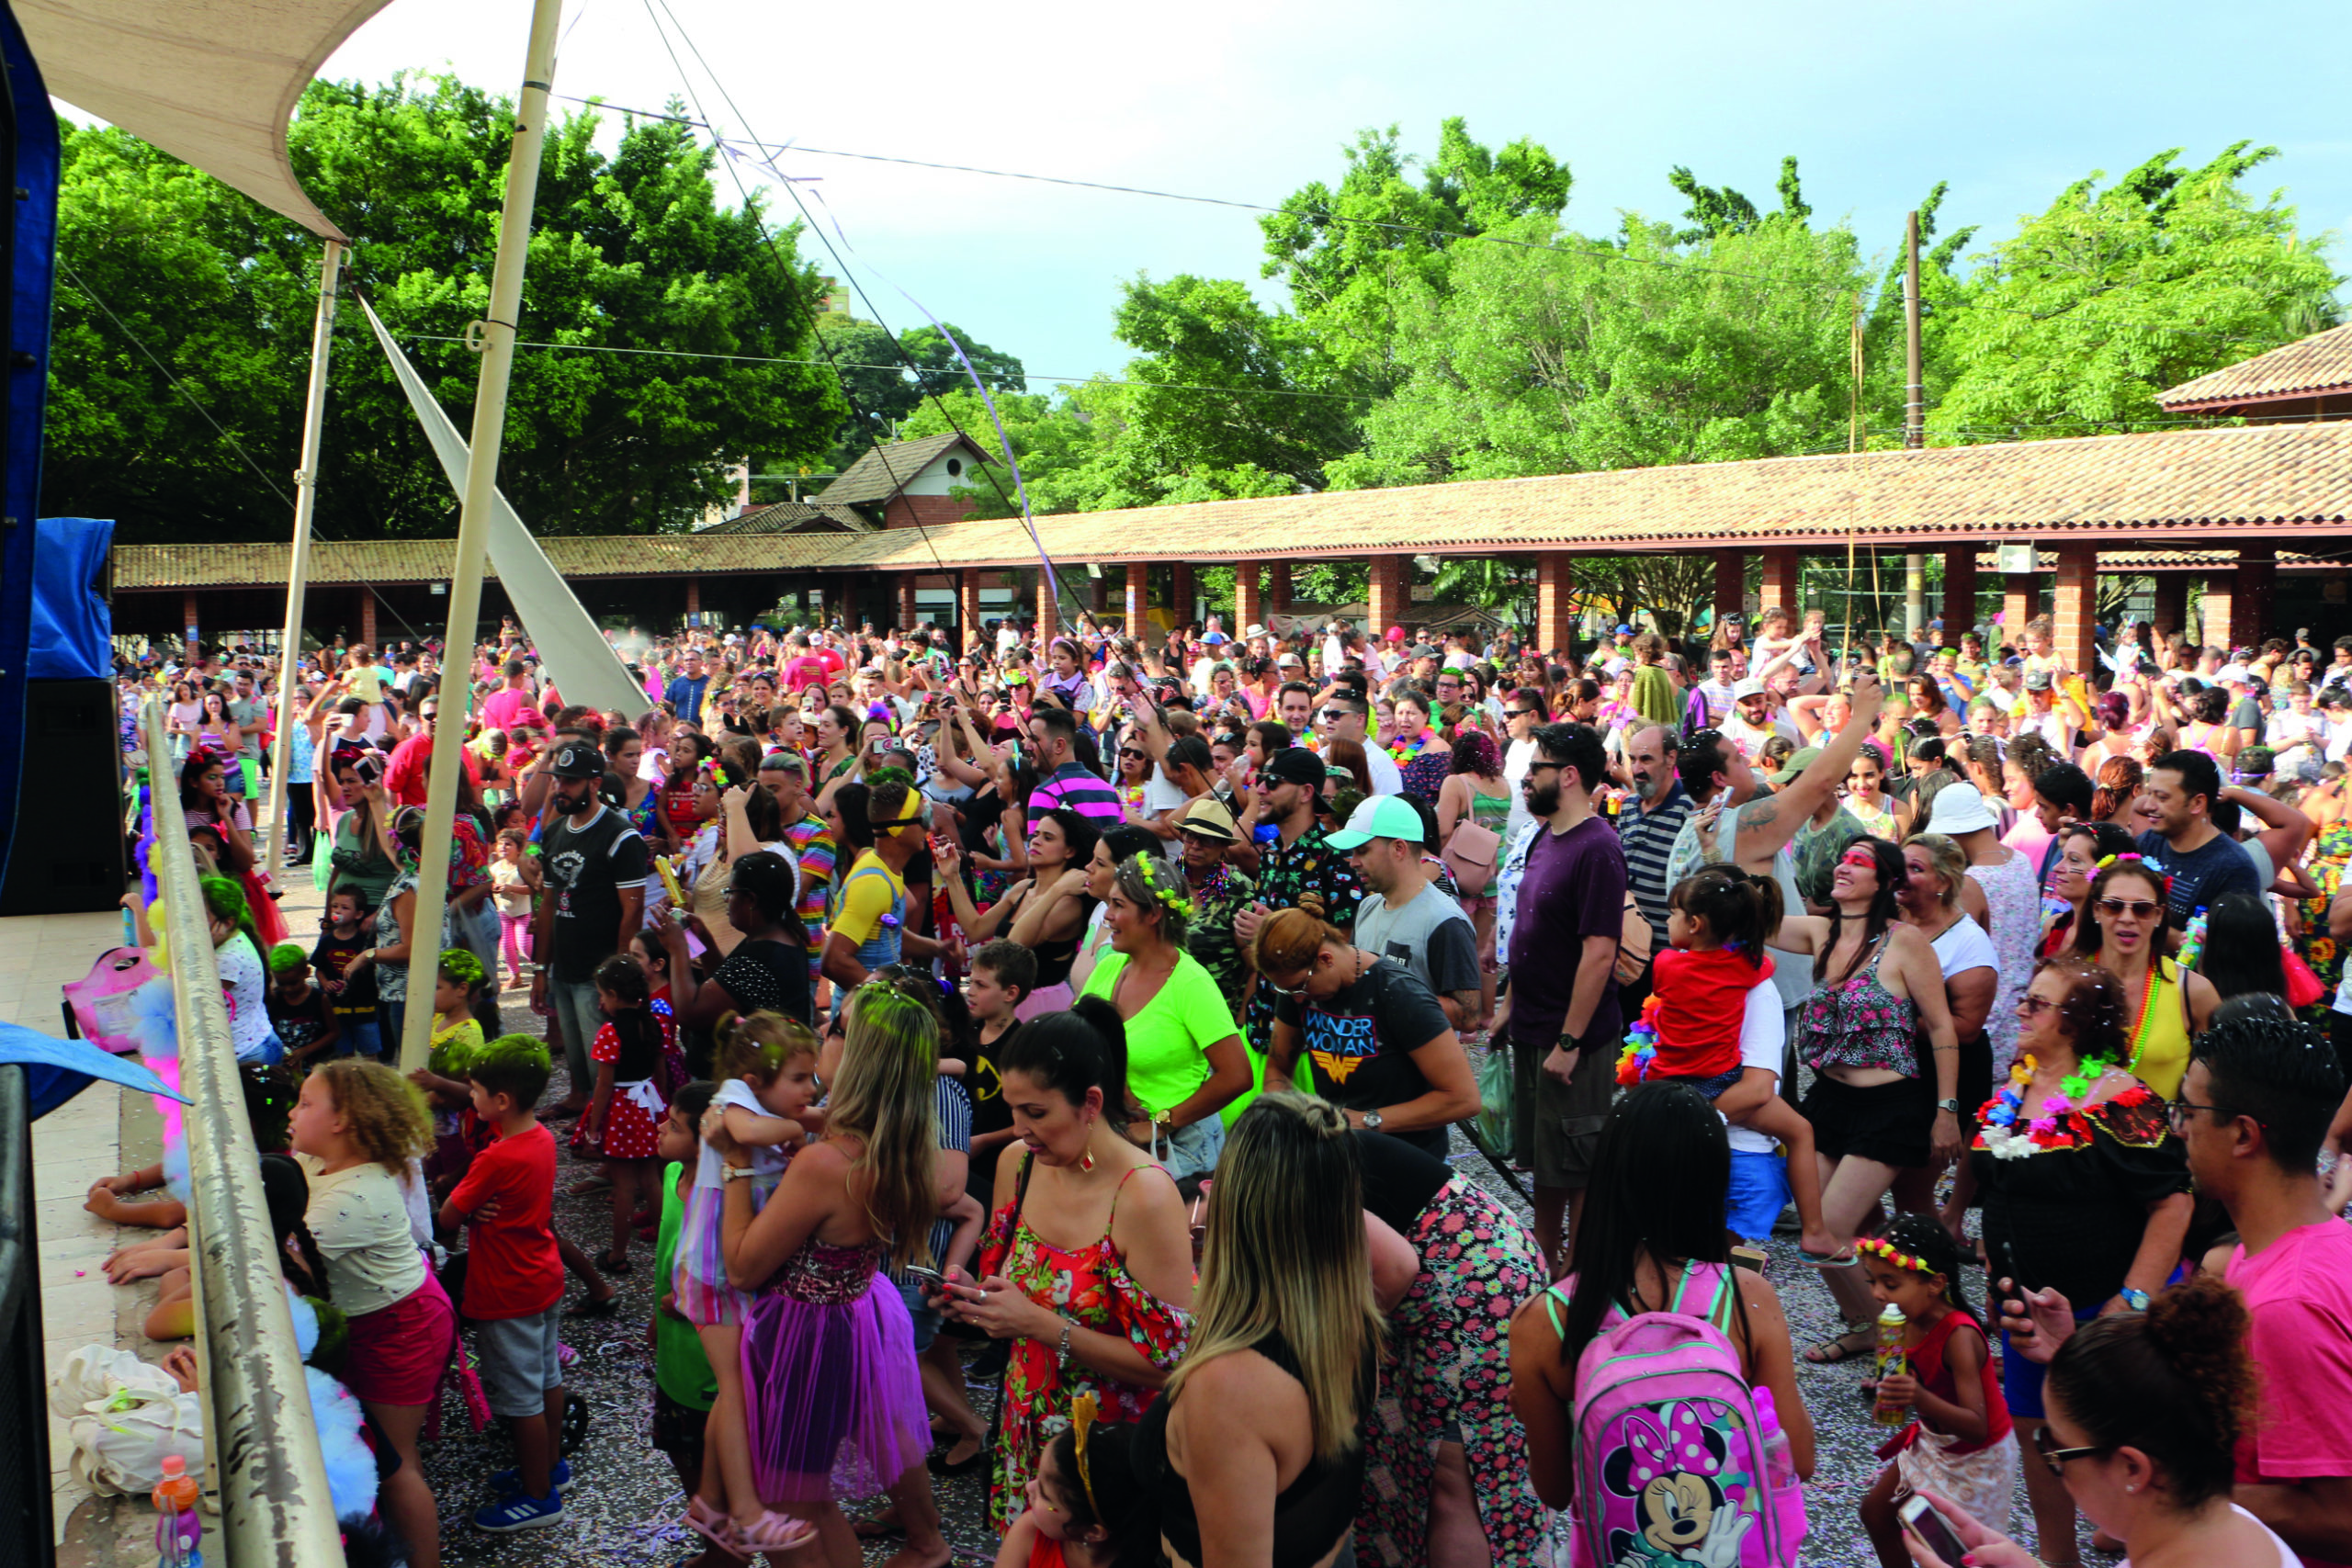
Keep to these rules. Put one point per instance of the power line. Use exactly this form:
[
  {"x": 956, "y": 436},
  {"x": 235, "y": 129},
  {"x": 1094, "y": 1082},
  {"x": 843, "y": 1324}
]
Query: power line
[{"x": 244, "y": 457}]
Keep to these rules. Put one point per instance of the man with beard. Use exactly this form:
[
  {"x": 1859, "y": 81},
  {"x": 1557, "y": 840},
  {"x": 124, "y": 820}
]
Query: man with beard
[
  {"x": 1565, "y": 1023},
  {"x": 1647, "y": 832},
  {"x": 596, "y": 867},
  {"x": 1297, "y": 869}
]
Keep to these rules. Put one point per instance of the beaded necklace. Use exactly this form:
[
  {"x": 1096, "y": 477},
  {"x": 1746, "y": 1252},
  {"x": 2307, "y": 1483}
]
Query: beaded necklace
[{"x": 2147, "y": 995}]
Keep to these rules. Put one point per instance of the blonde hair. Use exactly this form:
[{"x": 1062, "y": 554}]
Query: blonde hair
[
  {"x": 884, "y": 1098},
  {"x": 1289, "y": 939},
  {"x": 1947, "y": 860},
  {"x": 757, "y": 1047},
  {"x": 1286, "y": 1257},
  {"x": 383, "y": 1114}
]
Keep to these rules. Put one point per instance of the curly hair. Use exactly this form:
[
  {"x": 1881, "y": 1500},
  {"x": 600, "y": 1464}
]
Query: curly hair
[
  {"x": 2091, "y": 1012},
  {"x": 2176, "y": 1382},
  {"x": 383, "y": 1113},
  {"x": 1474, "y": 752}
]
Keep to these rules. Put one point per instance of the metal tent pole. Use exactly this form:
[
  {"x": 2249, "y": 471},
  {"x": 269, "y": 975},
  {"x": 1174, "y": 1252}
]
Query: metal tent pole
[
  {"x": 495, "y": 337},
  {"x": 306, "y": 494}
]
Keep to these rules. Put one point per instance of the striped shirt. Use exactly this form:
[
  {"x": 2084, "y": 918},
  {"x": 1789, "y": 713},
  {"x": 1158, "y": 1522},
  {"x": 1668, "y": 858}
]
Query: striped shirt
[
  {"x": 1071, "y": 786},
  {"x": 814, "y": 852},
  {"x": 1646, "y": 836},
  {"x": 953, "y": 1102}
]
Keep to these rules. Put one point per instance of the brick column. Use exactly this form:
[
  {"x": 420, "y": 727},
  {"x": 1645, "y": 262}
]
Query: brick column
[
  {"x": 908, "y": 612},
  {"x": 968, "y": 608},
  {"x": 693, "y": 596},
  {"x": 1554, "y": 622},
  {"x": 1391, "y": 594},
  {"x": 367, "y": 616},
  {"x": 2020, "y": 602},
  {"x": 2074, "y": 605},
  {"x": 2257, "y": 582},
  {"x": 1248, "y": 599},
  {"x": 1959, "y": 593},
  {"x": 1731, "y": 584},
  {"x": 1183, "y": 592},
  {"x": 2221, "y": 622},
  {"x": 1097, "y": 594},
  {"x": 1049, "y": 624},
  {"x": 1138, "y": 605},
  {"x": 191, "y": 625},
  {"x": 1278, "y": 588},
  {"x": 2171, "y": 612},
  {"x": 1782, "y": 582}
]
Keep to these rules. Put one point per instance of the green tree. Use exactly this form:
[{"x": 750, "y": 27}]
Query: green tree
[
  {"x": 888, "y": 379},
  {"x": 2113, "y": 293},
  {"x": 630, "y": 250}
]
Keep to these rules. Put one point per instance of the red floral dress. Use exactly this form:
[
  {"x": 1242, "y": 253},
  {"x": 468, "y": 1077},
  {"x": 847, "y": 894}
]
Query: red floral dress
[{"x": 1090, "y": 1286}]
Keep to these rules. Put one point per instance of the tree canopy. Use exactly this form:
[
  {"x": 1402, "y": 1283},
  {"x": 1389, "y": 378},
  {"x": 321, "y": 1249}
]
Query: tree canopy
[{"x": 630, "y": 249}]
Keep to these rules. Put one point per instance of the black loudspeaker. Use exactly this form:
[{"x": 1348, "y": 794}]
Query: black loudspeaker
[{"x": 67, "y": 854}]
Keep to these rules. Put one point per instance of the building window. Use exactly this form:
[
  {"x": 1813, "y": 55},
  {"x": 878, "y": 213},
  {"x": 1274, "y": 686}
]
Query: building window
[{"x": 955, "y": 467}]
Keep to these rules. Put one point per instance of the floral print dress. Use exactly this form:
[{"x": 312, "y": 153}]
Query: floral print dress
[
  {"x": 1090, "y": 1286},
  {"x": 2331, "y": 852}
]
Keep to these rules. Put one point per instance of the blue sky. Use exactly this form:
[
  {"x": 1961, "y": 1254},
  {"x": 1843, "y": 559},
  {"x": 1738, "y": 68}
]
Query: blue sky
[{"x": 2008, "y": 102}]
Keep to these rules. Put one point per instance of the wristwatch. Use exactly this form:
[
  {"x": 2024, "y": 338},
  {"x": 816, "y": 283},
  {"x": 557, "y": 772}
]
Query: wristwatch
[
  {"x": 2136, "y": 1299},
  {"x": 1372, "y": 1120},
  {"x": 1950, "y": 1105},
  {"x": 740, "y": 1172}
]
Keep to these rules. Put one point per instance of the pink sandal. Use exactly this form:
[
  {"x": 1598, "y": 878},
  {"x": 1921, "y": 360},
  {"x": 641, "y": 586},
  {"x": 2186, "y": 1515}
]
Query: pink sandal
[
  {"x": 713, "y": 1525},
  {"x": 773, "y": 1531}
]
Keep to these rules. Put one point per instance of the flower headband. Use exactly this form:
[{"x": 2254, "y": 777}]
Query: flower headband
[
  {"x": 2162, "y": 877},
  {"x": 1168, "y": 896},
  {"x": 1885, "y": 1249}
]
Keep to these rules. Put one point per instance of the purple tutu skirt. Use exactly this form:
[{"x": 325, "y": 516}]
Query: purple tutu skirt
[{"x": 835, "y": 1406}]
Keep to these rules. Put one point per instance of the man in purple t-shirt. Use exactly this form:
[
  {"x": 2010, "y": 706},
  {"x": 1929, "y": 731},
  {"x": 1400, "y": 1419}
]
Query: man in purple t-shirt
[{"x": 1564, "y": 1025}]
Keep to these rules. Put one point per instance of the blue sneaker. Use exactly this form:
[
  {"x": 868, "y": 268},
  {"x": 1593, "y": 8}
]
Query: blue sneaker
[
  {"x": 508, "y": 1483},
  {"x": 509, "y": 1514}
]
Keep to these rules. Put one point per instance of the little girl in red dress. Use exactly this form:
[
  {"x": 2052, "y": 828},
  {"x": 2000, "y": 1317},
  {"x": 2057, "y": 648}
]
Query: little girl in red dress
[{"x": 624, "y": 1120}]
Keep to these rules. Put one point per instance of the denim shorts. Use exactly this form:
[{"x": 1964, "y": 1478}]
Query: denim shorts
[
  {"x": 360, "y": 1035},
  {"x": 919, "y": 1307},
  {"x": 1190, "y": 1151},
  {"x": 1759, "y": 1190}
]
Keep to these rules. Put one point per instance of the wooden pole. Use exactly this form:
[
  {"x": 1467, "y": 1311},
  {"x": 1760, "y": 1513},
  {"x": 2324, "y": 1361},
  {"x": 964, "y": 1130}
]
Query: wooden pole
[{"x": 1915, "y": 422}]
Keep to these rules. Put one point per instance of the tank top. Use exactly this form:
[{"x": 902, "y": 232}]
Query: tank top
[
  {"x": 1489, "y": 810},
  {"x": 1312, "y": 1515},
  {"x": 1792, "y": 972},
  {"x": 1881, "y": 822},
  {"x": 2160, "y": 1044},
  {"x": 2012, "y": 897},
  {"x": 1927, "y": 1366},
  {"x": 1858, "y": 1023}
]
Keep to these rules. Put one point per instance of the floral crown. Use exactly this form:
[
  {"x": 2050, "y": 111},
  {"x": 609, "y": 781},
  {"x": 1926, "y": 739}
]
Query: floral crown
[
  {"x": 2154, "y": 868},
  {"x": 1885, "y": 1249},
  {"x": 1175, "y": 900}
]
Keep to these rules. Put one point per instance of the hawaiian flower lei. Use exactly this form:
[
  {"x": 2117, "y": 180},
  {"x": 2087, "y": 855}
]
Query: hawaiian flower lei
[
  {"x": 1878, "y": 1248},
  {"x": 1641, "y": 1046},
  {"x": 2061, "y": 1125},
  {"x": 1174, "y": 899},
  {"x": 1403, "y": 750}
]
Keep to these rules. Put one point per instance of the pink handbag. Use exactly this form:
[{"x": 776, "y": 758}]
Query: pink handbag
[{"x": 100, "y": 1001}]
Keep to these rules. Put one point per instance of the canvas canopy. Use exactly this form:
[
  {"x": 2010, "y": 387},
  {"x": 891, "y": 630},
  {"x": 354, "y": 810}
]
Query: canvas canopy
[{"x": 211, "y": 81}]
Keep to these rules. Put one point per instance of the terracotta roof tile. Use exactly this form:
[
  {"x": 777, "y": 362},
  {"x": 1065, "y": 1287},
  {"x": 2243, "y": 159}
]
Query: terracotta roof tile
[
  {"x": 791, "y": 517},
  {"x": 2172, "y": 488},
  {"x": 2311, "y": 366}
]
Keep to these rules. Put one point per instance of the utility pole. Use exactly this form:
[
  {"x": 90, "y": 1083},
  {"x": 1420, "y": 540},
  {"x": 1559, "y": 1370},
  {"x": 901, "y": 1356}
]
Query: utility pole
[{"x": 1915, "y": 424}]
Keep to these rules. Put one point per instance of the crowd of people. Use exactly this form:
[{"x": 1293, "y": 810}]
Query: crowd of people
[{"x": 1128, "y": 1002}]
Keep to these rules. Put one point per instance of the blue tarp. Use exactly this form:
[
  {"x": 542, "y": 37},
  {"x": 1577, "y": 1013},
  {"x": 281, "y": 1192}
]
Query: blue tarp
[
  {"x": 56, "y": 1070},
  {"x": 73, "y": 635}
]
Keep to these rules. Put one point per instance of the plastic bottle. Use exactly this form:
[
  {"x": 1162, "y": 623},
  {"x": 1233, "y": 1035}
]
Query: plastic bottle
[
  {"x": 1891, "y": 1363},
  {"x": 178, "y": 1529}
]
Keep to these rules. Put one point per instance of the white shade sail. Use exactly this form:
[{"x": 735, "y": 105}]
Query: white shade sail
[{"x": 211, "y": 81}]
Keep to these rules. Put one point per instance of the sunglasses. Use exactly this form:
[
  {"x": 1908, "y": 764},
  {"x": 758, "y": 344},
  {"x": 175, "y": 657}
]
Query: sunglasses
[
  {"x": 1129, "y": 751},
  {"x": 2056, "y": 1458},
  {"x": 2034, "y": 1007},
  {"x": 2138, "y": 908}
]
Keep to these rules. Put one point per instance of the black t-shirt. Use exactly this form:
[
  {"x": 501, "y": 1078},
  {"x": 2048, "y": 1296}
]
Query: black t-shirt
[
  {"x": 767, "y": 976},
  {"x": 1360, "y": 1043},
  {"x": 1399, "y": 1179},
  {"x": 2219, "y": 866},
  {"x": 976, "y": 816},
  {"x": 587, "y": 867},
  {"x": 989, "y": 1113},
  {"x": 333, "y": 955}
]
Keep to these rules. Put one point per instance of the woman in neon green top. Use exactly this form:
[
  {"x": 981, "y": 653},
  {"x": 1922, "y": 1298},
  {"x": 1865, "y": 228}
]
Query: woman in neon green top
[{"x": 1185, "y": 1055}]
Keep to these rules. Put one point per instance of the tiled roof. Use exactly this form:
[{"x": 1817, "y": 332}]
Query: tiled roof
[
  {"x": 884, "y": 470},
  {"x": 2319, "y": 364},
  {"x": 2176, "y": 488},
  {"x": 791, "y": 517},
  {"x": 2122, "y": 563}
]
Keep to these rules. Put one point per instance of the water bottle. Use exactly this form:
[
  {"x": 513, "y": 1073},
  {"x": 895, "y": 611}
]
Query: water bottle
[
  {"x": 178, "y": 1529},
  {"x": 1783, "y": 1488},
  {"x": 1891, "y": 1363}
]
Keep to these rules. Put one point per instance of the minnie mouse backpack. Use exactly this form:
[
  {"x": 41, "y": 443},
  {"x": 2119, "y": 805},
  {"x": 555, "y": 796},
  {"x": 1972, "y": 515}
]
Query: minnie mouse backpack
[{"x": 1671, "y": 1464}]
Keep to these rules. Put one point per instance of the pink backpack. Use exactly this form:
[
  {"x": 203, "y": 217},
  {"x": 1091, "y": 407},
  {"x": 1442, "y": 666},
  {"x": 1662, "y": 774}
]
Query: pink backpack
[
  {"x": 100, "y": 1002},
  {"x": 1670, "y": 1463}
]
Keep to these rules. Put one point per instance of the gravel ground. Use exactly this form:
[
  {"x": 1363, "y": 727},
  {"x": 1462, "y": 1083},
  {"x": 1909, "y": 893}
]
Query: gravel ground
[{"x": 624, "y": 1512}]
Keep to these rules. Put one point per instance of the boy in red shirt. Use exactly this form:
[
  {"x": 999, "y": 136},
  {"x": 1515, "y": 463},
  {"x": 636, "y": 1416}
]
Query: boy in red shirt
[{"x": 514, "y": 1279}]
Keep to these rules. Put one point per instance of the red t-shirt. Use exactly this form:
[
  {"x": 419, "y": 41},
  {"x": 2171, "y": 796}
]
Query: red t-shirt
[
  {"x": 2299, "y": 1292},
  {"x": 513, "y": 1268},
  {"x": 412, "y": 766},
  {"x": 1702, "y": 1003},
  {"x": 802, "y": 671}
]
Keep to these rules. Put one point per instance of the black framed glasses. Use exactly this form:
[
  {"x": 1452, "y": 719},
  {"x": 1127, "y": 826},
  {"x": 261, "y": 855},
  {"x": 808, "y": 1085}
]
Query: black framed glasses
[
  {"x": 2176, "y": 1114},
  {"x": 2056, "y": 1458},
  {"x": 1540, "y": 763}
]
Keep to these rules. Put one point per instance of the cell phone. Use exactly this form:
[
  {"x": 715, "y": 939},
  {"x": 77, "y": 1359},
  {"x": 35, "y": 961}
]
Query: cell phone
[
  {"x": 917, "y": 1272},
  {"x": 1919, "y": 1516}
]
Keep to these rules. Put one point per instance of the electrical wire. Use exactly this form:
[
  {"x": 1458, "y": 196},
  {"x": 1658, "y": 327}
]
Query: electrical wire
[{"x": 244, "y": 457}]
